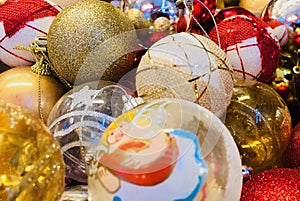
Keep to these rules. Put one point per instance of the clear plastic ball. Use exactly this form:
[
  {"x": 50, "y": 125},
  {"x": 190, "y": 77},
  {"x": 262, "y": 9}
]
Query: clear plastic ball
[{"x": 166, "y": 149}]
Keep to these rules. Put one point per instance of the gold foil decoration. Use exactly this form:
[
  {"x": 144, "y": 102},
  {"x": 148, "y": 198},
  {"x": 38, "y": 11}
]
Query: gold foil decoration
[
  {"x": 32, "y": 166},
  {"x": 260, "y": 123}
]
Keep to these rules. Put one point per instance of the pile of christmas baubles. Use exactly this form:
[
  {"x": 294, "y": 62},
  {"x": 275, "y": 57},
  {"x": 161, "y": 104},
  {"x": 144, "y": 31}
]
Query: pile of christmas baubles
[{"x": 131, "y": 100}]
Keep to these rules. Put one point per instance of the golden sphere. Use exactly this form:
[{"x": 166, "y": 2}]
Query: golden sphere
[
  {"x": 260, "y": 123},
  {"x": 20, "y": 86},
  {"x": 91, "y": 40},
  {"x": 137, "y": 18},
  {"x": 32, "y": 166}
]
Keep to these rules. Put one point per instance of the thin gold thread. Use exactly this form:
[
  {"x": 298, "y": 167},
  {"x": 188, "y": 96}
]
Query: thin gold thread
[{"x": 42, "y": 66}]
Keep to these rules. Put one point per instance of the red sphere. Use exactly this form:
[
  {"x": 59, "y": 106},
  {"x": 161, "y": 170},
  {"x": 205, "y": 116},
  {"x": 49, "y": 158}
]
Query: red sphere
[
  {"x": 273, "y": 185},
  {"x": 203, "y": 10},
  {"x": 293, "y": 150},
  {"x": 233, "y": 11},
  {"x": 250, "y": 47}
]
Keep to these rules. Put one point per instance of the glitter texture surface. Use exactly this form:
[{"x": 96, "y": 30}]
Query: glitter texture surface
[
  {"x": 275, "y": 184},
  {"x": 90, "y": 40}
]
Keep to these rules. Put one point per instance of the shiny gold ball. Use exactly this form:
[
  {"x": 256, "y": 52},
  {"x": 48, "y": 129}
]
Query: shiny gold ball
[
  {"x": 91, "y": 40},
  {"x": 260, "y": 123},
  {"x": 32, "y": 166},
  {"x": 137, "y": 18},
  {"x": 22, "y": 87}
]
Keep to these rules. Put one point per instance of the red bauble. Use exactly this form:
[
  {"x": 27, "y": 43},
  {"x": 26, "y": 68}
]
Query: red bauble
[
  {"x": 251, "y": 49},
  {"x": 293, "y": 149},
  {"x": 273, "y": 185},
  {"x": 20, "y": 22},
  {"x": 227, "y": 13},
  {"x": 232, "y": 11},
  {"x": 202, "y": 15}
]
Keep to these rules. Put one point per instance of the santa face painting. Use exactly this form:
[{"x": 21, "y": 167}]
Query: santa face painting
[{"x": 135, "y": 165}]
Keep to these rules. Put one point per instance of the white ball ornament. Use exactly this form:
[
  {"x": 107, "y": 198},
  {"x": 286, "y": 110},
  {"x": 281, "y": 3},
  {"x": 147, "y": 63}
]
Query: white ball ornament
[{"x": 186, "y": 66}]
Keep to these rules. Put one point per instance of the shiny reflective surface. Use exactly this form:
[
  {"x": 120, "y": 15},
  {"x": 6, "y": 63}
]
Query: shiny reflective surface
[
  {"x": 287, "y": 12},
  {"x": 32, "y": 166},
  {"x": 78, "y": 120},
  {"x": 20, "y": 86},
  {"x": 260, "y": 123},
  {"x": 169, "y": 123}
]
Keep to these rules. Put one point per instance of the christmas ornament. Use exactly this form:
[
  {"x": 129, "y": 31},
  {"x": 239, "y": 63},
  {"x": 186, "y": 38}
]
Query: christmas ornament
[
  {"x": 21, "y": 86},
  {"x": 20, "y": 22},
  {"x": 274, "y": 184},
  {"x": 88, "y": 46},
  {"x": 78, "y": 120},
  {"x": 153, "y": 9},
  {"x": 280, "y": 30},
  {"x": 137, "y": 18},
  {"x": 32, "y": 167},
  {"x": 145, "y": 152},
  {"x": 233, "y": 11},
  {"x": 293, "y": 149},
  {"x": 259, "y": 122},
  {"x": 282, "y": 81},
  {"x": 202, "y": 13},
  {"x": 286, "y": 12},
  {"x": 253, "y": 52},
  {"x": 228, "y": 12},
  {"x": 186, "y": 66},
  {"x": 161, "y": 24},
  {"x": 255, "y": 6}
]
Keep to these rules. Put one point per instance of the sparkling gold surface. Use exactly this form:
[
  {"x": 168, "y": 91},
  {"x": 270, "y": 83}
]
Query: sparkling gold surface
[
  {"x": 32, "y": 167},
  {"x": 260, "y": 123},
  {"x": 91, "y": 39}
]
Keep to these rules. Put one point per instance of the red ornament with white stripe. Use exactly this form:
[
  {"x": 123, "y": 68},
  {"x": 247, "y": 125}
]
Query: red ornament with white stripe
[
  {"x": 20, "y": 22},
  {"x": 252, "y": 50}
]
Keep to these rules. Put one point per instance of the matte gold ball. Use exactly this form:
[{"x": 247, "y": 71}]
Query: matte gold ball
[{"x": 91, "y": 40}]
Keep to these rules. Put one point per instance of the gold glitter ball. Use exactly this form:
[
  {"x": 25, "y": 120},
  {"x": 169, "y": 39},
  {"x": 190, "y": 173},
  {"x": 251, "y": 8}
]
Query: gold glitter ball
[
  {"x": 32, "y": 166},
  {"x": 91, "y": 40}
]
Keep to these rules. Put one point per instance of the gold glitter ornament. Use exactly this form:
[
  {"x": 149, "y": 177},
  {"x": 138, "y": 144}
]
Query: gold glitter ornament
[
  {"x": 260, "y": 123},
  {"x": 137, "y": 18},
  {"x": 186, "y": 66},
  {"x": 91, "y": 40},
  {"x": 32, "y": 166}
]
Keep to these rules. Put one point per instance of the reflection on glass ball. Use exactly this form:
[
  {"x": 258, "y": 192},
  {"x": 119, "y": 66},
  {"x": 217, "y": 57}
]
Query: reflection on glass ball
[
  {"x": 260, "y": 124},
  {"x": 78, "y": 120},
  {"x": 147, "y": 150}
]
